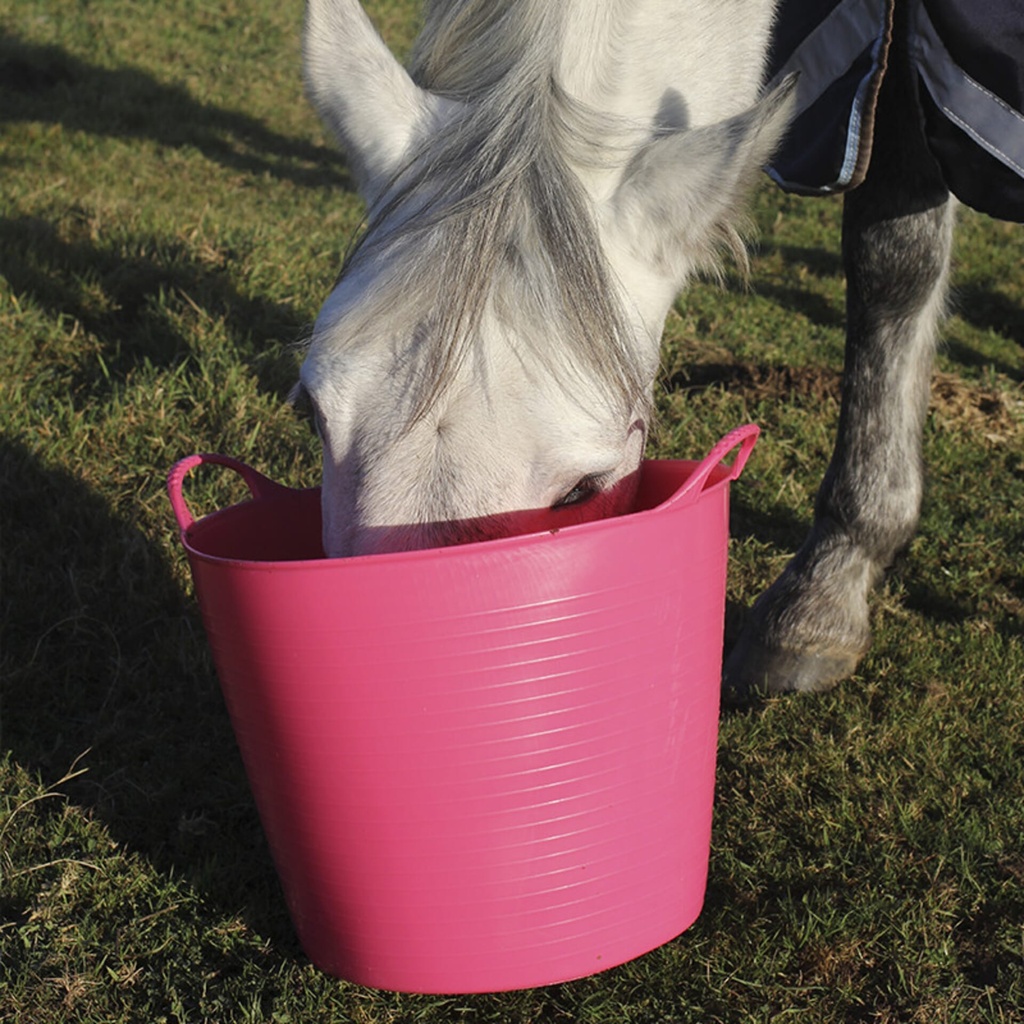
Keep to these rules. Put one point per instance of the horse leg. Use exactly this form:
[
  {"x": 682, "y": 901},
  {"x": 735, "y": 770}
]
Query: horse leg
[{"x": 811, "y": 627}]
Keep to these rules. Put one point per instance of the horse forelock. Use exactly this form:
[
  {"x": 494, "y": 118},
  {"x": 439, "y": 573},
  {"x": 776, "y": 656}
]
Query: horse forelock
[
  {"x": 490, "y": 216},
  {"x": 469, "y": 46}
]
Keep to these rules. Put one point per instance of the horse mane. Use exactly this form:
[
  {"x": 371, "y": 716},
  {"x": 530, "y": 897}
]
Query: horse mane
[{"x": 489, "y": 214}]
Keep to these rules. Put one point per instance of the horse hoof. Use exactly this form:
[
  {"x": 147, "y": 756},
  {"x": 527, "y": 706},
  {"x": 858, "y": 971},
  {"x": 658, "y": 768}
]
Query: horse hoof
[{"x": 752, "y": 670}]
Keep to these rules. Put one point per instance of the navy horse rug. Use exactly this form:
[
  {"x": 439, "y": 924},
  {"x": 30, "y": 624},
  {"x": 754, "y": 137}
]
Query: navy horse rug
[{"x": 968, "y": 59}]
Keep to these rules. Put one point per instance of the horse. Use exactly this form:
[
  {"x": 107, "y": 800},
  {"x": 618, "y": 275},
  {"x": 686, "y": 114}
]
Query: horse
[{"x": 540, "y": 185}]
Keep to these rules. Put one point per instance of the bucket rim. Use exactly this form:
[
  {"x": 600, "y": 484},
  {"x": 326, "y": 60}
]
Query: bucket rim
[{"x": 707, "y": 476}]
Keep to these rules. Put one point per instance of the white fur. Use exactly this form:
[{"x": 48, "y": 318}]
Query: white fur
[{"x": 666, "y": 90}]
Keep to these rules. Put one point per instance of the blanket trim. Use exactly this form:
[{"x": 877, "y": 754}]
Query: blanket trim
[
  {"x": 990, "y": 121},
  {"x": 831, "y": 49}
]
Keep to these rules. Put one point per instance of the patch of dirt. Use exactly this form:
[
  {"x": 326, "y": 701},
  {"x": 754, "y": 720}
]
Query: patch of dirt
[
  {"x": 781, "y": 383},
  {"x": 838, "y": 964},
  {"x": 994, "y": 414}
]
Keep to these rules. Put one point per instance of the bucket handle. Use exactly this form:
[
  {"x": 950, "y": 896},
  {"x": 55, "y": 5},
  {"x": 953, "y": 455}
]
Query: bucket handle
[
  {"x": 259, "y": 485},
  {"x": 745, "y": 437}
]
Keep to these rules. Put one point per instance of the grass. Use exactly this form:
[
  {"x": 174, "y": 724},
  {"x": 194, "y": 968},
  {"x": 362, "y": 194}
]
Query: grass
[{"x": 171, "y": 216}]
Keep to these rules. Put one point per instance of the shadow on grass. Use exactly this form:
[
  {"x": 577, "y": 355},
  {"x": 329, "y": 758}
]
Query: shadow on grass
[
  {"x": 121, "y": 290},
  {"x": 823, "y": 263},
  {"x": 778, "y": 525},
  {"x": 814, "y": 264},
  {"x": 986, "y": 310},
  {"x": 815, "y": 308},
  {"x": 49, "y": 85},
  {"x": 128, "y": 304},
  {"x": 104, "y": 656},
  {"x": 990, "y": 310}
]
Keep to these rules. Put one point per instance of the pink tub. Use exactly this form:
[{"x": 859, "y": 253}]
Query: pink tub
[{"x": 482, "y": 767}]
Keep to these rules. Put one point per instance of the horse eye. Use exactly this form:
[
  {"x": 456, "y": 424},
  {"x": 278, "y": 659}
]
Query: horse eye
[
  {"x": 317, "y": 419},
  {"x": 318, "y": 423},
  {"x": 583, "y": 490},
  {"x": 303, "y": 404}
]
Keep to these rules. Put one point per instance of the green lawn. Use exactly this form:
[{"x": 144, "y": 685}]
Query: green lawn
[{"x": 170, "y": 218}]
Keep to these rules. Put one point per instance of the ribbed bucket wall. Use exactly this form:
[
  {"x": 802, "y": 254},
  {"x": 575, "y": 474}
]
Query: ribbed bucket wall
[{"x": 486, "y": 767}]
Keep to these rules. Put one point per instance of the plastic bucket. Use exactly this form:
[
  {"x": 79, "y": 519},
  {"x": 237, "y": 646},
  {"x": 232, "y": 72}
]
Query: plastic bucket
[{"x": 482, "y": 767}]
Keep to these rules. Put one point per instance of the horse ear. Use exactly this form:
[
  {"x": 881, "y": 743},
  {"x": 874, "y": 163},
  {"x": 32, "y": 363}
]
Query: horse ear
[
  {"x": 361, "y": 92},
  {"x": 681, "y": 191}
]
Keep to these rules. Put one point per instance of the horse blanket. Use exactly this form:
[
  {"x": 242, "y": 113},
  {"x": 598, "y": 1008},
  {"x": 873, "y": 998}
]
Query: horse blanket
[{"x": 968, "y": 62}]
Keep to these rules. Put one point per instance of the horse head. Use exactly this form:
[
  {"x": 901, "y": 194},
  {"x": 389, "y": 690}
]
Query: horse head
[{"x": 486, "y": 360}]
